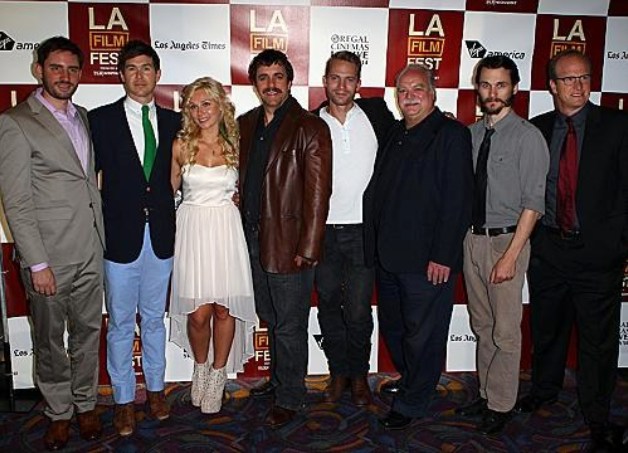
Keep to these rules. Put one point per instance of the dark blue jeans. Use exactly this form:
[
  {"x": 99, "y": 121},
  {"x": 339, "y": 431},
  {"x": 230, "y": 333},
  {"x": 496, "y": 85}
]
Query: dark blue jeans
[
  {"x": 345, "y": 288},
  {"x": 283, "y": 302},
  {"x": 414, "y": 319}
]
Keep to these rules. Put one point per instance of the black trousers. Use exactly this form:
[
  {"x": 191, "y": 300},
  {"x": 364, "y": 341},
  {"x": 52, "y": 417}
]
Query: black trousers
[{"x": 566, "y": 288}]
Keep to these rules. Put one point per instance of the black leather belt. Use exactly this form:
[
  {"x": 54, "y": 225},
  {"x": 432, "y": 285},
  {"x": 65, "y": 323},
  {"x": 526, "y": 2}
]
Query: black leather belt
[
  {"x": 342, "y": 226},
  {"x": 572, "y": 235},
  {"x": 493, "y": 231}
]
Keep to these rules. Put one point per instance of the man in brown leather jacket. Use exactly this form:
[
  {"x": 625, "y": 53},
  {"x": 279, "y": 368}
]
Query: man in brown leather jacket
[{"x": 285, "y": 184}]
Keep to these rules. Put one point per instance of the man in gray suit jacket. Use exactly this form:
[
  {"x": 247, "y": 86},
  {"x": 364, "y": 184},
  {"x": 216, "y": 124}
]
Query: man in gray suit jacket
[{"x": 53, "y": 208}]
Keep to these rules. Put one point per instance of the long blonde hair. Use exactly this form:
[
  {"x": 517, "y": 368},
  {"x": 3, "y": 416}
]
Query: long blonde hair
[{"x": 229, "y": 133}]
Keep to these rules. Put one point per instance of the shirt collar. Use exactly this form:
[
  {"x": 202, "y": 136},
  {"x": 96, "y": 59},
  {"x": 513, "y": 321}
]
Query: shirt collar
[
  {"x": 71, "y": 112},
  {"x": 136, "y": 107},
  {"x": 510, "y": 117},
  {"x": 578, "y": 118}
]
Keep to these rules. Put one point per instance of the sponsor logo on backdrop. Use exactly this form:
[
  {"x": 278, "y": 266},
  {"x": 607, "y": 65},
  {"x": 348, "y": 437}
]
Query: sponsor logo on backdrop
[
  {"x": 623, "y": 334},
  {"x": 189, "y": 45},
  {"x": 105, "y": 40},
  {"x": 573, "y": 38},
  {"x": 268, "y": 35},
  {"x": 426, "y": 44},
  {"x": 458, "y": 338},
  {"x": 262, "y": 349},
  {"x": 319, "y": 339},
  {"x": 358, "y": 44},
  {"x": 477, "y": 50},
  {"x": 622, "y": 55},
  {"x": 7, "y": 43}
]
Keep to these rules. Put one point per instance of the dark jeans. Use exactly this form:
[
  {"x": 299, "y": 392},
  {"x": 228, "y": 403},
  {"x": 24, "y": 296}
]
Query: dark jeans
[
  {"x": 345, "y": 288},
  {"x": 565, "y": 287},
  {"x": 283, "y": 302},
  {"x": 414, "y": 319}
]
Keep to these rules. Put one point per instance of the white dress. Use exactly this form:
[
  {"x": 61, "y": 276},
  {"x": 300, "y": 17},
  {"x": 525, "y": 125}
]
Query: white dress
[{"x": 211, "y": 260}]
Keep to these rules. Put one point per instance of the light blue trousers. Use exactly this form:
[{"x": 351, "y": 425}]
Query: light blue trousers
[{"x": 137, "y": 287}]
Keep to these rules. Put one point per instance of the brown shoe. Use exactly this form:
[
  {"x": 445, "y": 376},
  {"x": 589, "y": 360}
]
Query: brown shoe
[
  {"x": 360, "y": 391},
  {"x": 89, "y": 425},
  {"x": 334, "y": 390},
  {"x": 57, "y": 435},
  {"x": 124, "y": 419},
  {"x": 279, "y": 416},
  {"x": 158, "y": 406}
]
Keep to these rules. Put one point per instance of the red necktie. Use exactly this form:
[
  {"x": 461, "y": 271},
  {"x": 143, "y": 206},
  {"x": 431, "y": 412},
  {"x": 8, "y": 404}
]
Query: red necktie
[{"x": 567, "y": 180}]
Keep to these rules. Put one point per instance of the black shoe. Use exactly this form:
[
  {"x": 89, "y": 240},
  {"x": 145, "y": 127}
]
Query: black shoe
[
  {"x": 476, "y": 407},
  {"x": 531, "y": 403},
  {"x": 493, "y": 422},
  {"x": 607, "y": 438},
  {"x": 395, "y": 420},
  {"x": 390, "y": 388},
  {"x": 262, "y": 391}
]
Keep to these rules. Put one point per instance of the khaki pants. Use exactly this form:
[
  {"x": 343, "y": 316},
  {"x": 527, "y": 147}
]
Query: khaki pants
[{"x": 495, "y": 311}]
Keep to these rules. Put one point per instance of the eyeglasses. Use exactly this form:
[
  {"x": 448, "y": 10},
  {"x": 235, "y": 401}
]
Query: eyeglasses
[{"x": 570, "y": 80}]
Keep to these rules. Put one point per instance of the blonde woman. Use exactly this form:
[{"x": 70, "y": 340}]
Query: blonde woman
[{"x": 212, "y": 308}]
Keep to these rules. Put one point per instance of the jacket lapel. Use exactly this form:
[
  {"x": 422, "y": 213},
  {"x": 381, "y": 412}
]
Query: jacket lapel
[
  {"x": 285, "y": 131},
  {"x": 50, "y": 123}
]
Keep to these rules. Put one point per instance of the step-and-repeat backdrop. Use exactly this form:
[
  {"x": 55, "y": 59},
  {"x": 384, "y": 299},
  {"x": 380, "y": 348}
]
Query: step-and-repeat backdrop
[{"x": 218, "y": 38}]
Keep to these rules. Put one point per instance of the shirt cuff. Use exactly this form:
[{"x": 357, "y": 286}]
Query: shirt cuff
[{"x": 39, "y": 267}]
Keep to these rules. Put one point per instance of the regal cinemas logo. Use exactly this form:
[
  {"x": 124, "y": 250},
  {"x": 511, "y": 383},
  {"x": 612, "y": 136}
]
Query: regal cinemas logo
[
  {"x": 426, "y": 44},
  {"x": 106, "y": 40},
  {"x": 271, "y": 35},
  {"x": 358, "y": 44},
  {"x": 573, "y": 39}
]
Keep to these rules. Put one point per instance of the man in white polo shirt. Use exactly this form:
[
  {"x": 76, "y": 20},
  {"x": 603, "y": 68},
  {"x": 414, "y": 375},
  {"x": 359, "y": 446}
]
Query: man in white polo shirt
[{"x": 343, "y": 281}]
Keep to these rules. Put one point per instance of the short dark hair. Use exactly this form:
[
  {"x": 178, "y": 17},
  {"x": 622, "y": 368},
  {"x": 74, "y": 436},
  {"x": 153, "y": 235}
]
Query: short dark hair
[
  {"x": 497, "y": 62},
  {"x": 55, "y": 44},
  {"x": 551, "y": 67},
  {"x": 270, "y": 57},
  {"x": 135, "y": 48},
  {"x": 347, "y": 56}
]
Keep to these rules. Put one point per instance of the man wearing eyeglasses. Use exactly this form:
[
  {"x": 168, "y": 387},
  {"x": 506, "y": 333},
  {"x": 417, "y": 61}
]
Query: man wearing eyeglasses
[{"x": 579, "y": 249}]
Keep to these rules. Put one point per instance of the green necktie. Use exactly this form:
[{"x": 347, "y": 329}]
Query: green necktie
[{"x": 150, "y": 144}]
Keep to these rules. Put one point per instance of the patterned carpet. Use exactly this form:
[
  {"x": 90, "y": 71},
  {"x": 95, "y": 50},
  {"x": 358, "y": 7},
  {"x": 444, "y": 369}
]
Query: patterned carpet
[{"x": 323, "y": 427}]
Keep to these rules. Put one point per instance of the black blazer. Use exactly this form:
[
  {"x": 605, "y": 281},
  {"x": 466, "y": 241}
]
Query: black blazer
[
  {"x": 428, "y": 221},
  {"x": 602, "y": 191},
  {"x": 127, "y": 196},
  {"x": 376, "y": 111}
]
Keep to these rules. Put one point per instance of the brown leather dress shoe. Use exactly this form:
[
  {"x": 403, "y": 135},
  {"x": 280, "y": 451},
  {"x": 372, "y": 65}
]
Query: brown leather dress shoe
[
  {"x": 335, "y": 388},
  {"x": 89, "y": 425},
  {"x": 360, "y": 391},
  {"x": 279, "y": 416},
  {"x": 157, "y": 405},
  {"x": 124, "y": 419},
  {"x": 57, "y": 435}
]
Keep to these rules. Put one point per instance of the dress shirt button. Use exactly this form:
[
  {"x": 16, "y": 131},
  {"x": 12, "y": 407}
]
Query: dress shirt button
[{"x": 147, "y": 188}]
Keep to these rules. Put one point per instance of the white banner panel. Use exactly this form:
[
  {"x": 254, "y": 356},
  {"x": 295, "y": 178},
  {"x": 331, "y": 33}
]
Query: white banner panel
[
  {"x": 365, "y": 35},
  {"x": 461, "y": 344},
  {"x": 615, "y": 76},
  {"x": 480, "y": 40},
  {"x": 574, "y": 7},
  {"x": 192, "y": 41},
  {"x": 23, "y": 25},
  {"x": 429, "y": 4}
]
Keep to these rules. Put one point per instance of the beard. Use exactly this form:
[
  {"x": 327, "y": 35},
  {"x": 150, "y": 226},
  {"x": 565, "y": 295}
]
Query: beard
[
  {"x": 57, "y": 92},
  {"x": 499, "y": 107}
]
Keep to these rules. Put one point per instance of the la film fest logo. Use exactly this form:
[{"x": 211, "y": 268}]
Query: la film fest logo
[
  {"x": 426, "y": 45},
  {"x": 106, "y": 40},
  {"x": 271, "y": 35},
  {"x": 358, "y": 44},
  {"x": 574, "y": 38},
  {"x": 623, "y": 333},
  {"x": 262, "y": 349}
]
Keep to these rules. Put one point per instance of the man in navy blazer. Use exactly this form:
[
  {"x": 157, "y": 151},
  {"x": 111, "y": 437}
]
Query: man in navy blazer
[
  {"x": 417, "y": 209},
  {"x": 575, "y": 274},
  {"x": 138, "y": 208}
]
